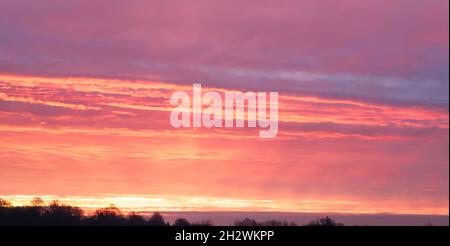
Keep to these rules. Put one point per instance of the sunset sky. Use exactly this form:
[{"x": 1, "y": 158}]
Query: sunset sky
[{"x": 363, "y": 91}]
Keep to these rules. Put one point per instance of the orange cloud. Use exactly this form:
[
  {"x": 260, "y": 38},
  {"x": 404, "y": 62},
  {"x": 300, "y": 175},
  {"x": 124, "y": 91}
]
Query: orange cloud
[{"x": 79, "y": 138}]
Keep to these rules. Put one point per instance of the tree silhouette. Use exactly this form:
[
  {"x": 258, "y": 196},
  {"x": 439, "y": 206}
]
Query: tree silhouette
[
  {"x": 37, "y": 202},
  {"x": 247, "y": 222},
  {"x": 4, "y": 203},
  {"x": 327, "y": 221},
  {"x": 181, "y": 222},
  {"x": 60, "y": 214},
  {"x": 135, "y": 219},
  {"x": 156, "y": 220},
  {"x": 108, "y": 216},
  {"x": 252, "y": 222}
]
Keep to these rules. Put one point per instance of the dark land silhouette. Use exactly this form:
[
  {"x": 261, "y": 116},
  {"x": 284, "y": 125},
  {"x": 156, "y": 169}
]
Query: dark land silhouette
[{"x": 58, "y": 214}]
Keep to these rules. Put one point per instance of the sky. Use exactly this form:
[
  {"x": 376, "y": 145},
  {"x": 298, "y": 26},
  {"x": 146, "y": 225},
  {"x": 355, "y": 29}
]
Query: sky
[{"x": 363, "y": 88}]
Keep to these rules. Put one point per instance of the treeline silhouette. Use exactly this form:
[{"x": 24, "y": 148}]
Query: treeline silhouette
[
  {"x": 327, "y": 221},
  {"x": 58, "y": 214}
]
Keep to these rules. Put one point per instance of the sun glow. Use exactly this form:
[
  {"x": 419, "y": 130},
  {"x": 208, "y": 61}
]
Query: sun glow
[{"x": 139, "y": 203}]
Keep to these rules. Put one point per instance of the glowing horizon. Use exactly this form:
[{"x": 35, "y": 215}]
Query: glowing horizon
[
  {"x": 155, "y": 203},
  {"x": 363, "y": 105}
]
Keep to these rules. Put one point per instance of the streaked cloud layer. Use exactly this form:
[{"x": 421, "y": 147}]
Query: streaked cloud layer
[{"x": 85, "y": 89}]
